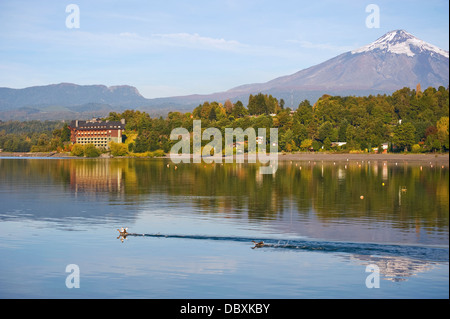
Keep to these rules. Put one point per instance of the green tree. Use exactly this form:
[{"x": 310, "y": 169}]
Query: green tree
[
  {"x": 212, "y": 114},
  {"x": 404, "y": 135},
  {"x": 287, "y": 141},
  {"x": 306, "y": 144},
  {"x": 300, "y": 132},
  {"x": 239, "y": 110},
  {"x": 443, "y": 132},
  {"x": 257, "y": 104},
  {"x": 327, "y": 144},
  {"x": 304, "y": 113},
  {"x": 325, "y": 131}
]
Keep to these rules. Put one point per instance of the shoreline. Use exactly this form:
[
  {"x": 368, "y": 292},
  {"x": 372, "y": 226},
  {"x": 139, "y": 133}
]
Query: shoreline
[{"x": 441, "y": 159}]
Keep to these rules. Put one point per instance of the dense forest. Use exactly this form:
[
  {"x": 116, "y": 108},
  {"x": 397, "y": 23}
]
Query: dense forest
[
  {"x": 408, "y": 120},
  {"x": 34, "y": 136}
]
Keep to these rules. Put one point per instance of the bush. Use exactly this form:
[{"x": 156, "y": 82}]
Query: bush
[
  {"x": 158, "y": 153},
  {"x": 118, "y": 149},
  {"x": 306, "y": 144},
  {"x": 77, "y": 150},
  {"x": 416, "y": 148},
  {"x": 316, "y": 145},
  {"x": 91, "y": 151}
]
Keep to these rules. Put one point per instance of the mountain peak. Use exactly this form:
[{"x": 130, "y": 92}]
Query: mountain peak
[{"x": 401, "y": 42}]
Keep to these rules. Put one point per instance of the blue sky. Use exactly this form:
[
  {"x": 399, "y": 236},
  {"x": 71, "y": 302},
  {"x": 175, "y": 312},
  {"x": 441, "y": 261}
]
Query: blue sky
[{"x": 174, "y": 47}]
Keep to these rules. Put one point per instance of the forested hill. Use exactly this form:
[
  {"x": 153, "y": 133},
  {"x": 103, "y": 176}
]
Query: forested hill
[{"x": 410, "y": 119}]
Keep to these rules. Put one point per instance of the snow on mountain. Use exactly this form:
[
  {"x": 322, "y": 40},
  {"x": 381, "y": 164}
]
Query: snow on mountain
[{"x": 401, "y": 42}]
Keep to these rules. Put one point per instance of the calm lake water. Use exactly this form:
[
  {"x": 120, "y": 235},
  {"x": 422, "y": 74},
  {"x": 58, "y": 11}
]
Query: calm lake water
[{"x": 322, "y": 223}]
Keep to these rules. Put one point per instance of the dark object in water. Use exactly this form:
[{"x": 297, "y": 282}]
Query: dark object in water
[
  {"x": 122, "y": 233},
  {"x": 258, "y": 245}
]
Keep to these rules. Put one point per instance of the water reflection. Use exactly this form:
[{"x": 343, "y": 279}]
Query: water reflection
[
  {"x": 360, "y": 201},
  {"x": 321, "y": 224},
  {"x": 394, "y": 268},
  {"x": 395, "y": 262},
  {"x": 93, "y": 177}
]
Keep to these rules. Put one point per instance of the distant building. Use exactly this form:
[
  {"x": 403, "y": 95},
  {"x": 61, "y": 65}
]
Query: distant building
[
  {"x": 336, "y": 144},
  {"x": 384, "y": 147},
  {"x": 96, "y": 132},
  {"x": 259, "y": 140}
]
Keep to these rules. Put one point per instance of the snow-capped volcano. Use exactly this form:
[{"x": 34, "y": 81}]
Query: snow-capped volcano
[
  {"x": 395, "y": 60},
  {"x": 401, "y": 42}
]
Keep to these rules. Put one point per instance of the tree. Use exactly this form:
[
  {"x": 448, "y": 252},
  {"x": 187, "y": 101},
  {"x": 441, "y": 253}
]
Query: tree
[
  {"x": 228, "y": 107},
  {"x": 418, "y": 90},
  {"x": 65, "y": 133},
  {"x": 205, "y": 110},
  {"x": 327, "y": 144},
  {"x": 287, "y": 142},
  {"x": 239, "y": 110},
  {"x": 141, "y": 144},
  {"x": 262, "y": 104},
  {"x": 404, "y": 136},
  {"x": 443, "y": 132},
  {"x": 300, "y": 132},
  {"x": 325, "y": 131},
  {"x": 212, "y": 114},
  {"x": 306, "y": 144},
  {"x": 304, "y": 113},
  {"x": 283, "y": 118}
]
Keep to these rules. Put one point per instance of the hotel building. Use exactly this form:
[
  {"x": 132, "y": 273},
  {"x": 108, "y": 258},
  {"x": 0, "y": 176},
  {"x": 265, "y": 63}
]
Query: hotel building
[{"x": 96, "y": 132}]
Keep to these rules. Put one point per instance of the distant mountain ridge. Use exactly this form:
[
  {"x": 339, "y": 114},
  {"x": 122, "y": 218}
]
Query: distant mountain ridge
[
  {"x": 393, "y": 61},
  {"x": 68, "y": 94}
]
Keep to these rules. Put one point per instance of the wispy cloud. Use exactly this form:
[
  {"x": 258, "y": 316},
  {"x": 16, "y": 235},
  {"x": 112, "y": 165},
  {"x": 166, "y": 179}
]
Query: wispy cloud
[
  {"x": 197, "y": 41},
  {"x": 131, "y": 41}
]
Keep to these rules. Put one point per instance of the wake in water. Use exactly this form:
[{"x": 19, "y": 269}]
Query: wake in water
[{"x": 438, "y": 254}]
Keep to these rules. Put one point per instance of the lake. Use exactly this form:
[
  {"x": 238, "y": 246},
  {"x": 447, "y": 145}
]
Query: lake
[{"x": 192, "y": 227}]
